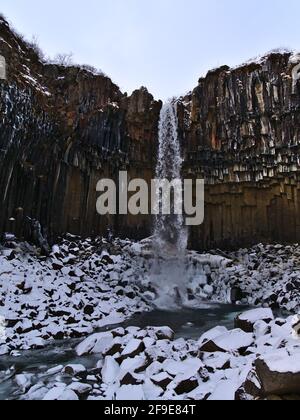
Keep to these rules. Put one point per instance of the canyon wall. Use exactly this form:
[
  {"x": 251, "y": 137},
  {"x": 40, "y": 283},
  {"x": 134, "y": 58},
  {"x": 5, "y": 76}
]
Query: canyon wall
[
  {"x": 241, "y": 133},
  {"x": 64, "y": 128}
]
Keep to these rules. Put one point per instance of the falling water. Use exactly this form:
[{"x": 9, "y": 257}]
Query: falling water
[
  {"x": 170, "y": 234},
  {"x": 169, "y": 229}
]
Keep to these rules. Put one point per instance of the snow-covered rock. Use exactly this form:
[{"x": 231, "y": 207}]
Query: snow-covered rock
[
  {"x": 247, "y": 320},
  {"x": 130, "y": 393},
  {"x": 279, "y": 373},
  {"x": 97, "y": 343},
  {"x": 231, "y": 341},
  {"x": 74, "y": 370},
  {"x": 110, "y": 370}
]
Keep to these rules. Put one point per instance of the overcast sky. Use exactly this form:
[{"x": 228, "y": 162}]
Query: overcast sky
[{"x": 165, "y": 45}]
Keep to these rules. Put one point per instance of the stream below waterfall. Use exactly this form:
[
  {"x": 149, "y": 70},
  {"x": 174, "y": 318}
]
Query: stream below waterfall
[{"x": 186, "y": 323}]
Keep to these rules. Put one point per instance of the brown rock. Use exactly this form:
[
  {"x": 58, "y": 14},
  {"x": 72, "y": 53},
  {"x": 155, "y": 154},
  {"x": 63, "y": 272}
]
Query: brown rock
[
  {"x": 186, "y": 386},
  {"x": 277, "y": 383}
]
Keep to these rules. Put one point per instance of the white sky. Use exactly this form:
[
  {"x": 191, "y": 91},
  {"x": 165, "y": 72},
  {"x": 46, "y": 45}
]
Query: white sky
[{"x": 165, "y": 45}]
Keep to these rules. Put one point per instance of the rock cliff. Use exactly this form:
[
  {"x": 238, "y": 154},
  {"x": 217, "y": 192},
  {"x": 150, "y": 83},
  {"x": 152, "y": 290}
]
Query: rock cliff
[
  {"x": 64, "y": 128},
  {"x": 61, "y": 130},
  {"x": 241, "y": 132}
]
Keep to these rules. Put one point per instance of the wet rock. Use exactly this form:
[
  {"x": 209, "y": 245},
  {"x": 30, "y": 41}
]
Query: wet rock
[
  {"x": 236, "y": 295},
  {"x": 296, "y": 326}
]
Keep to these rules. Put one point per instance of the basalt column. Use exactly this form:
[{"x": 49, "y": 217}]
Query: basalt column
[{"x": 241, "y": 132}]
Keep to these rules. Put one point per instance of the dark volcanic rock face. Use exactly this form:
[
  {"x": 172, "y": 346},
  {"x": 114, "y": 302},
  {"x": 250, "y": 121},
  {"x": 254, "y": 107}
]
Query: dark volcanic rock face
[
  {"x": 243, "y": 137},
  {"x": 64, "y": 128},
  {"x": 61, "y": 130}
]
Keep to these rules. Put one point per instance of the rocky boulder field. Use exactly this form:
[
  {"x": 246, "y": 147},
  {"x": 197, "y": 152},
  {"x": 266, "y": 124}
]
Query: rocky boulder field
[{"x": 82, "y": 293}]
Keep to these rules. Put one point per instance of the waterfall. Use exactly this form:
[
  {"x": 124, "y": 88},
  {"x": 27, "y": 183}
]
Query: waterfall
[
  {"x": 170, "y": 235},
  {"x": 169, "y": 229}
]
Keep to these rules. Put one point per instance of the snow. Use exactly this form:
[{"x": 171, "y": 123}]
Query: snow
[
  {"x": 131, "y": 347},
  {"x": 74, "y": 369},
  {"x": 212, "y": 334},
  {"x": 225, "y": 391},
  {"x": 97, "y": 343},
  {"x": 55, "y": 370},
  {"x": 234, "y": 340},
  {"x": 189, "y": 367},
  {"x": 53, "y": 302},
  {"x": 110, "y": 370},
  {"x": 80, "y": 388},
  {"x": 130, "y": 393},
  {"x": 216, "y": 360},
  {"x": 55, "y": 393},
  {"x": 68, "y": 395},
  {"x": 177, "y": 366},
  {"x": 257, "y": 315},
  {"x": 283, "y": 363},
  {"x": 130, "y": 365}
]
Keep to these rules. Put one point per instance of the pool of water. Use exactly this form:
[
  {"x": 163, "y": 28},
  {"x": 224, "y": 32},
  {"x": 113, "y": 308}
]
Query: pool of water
[
  {"x": 190, "y": 323},
  {"x": 187, "y": 323}
]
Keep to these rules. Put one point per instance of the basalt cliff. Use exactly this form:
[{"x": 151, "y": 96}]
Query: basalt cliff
[{"x": 64, "y": 128}]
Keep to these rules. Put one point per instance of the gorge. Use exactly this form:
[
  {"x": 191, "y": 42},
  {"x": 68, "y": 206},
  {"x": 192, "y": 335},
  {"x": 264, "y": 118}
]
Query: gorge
[
  {"x": 64, "y": 128},
  {"x": 81, "y": 307}
]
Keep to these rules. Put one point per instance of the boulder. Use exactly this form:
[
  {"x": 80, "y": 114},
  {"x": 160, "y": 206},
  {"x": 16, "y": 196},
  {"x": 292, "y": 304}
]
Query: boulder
[
  {"x": 133, "y": 348},
  {"x": 250, "y": 389},
  {"x": 279, "y": 373},
  {"x": 247, "y": 320},
  {"x": 96, "y": 343},
  {"x": 80, "y": 389},
  {"x": 296, "y": 326},
  {"x": 110, "y": 370},
  {"x": 231, "y": 341},
  {"x": 89, "y": 310},
  {"x": 60, "y": 393},
  {"x": 130, "y": 379},
  {"x": 74, "y": 370},
  {"x": 162, "y": 380},
  {"x": 186, "y": 386}
]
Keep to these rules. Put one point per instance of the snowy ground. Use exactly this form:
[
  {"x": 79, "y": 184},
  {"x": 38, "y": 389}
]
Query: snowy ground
[
  {"x": 149, "y": 364},
  {"x": 86, "y": 285}
]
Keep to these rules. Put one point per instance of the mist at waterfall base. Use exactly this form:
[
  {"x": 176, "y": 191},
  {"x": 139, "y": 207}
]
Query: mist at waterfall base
[{"x": 170, "y": 235}]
